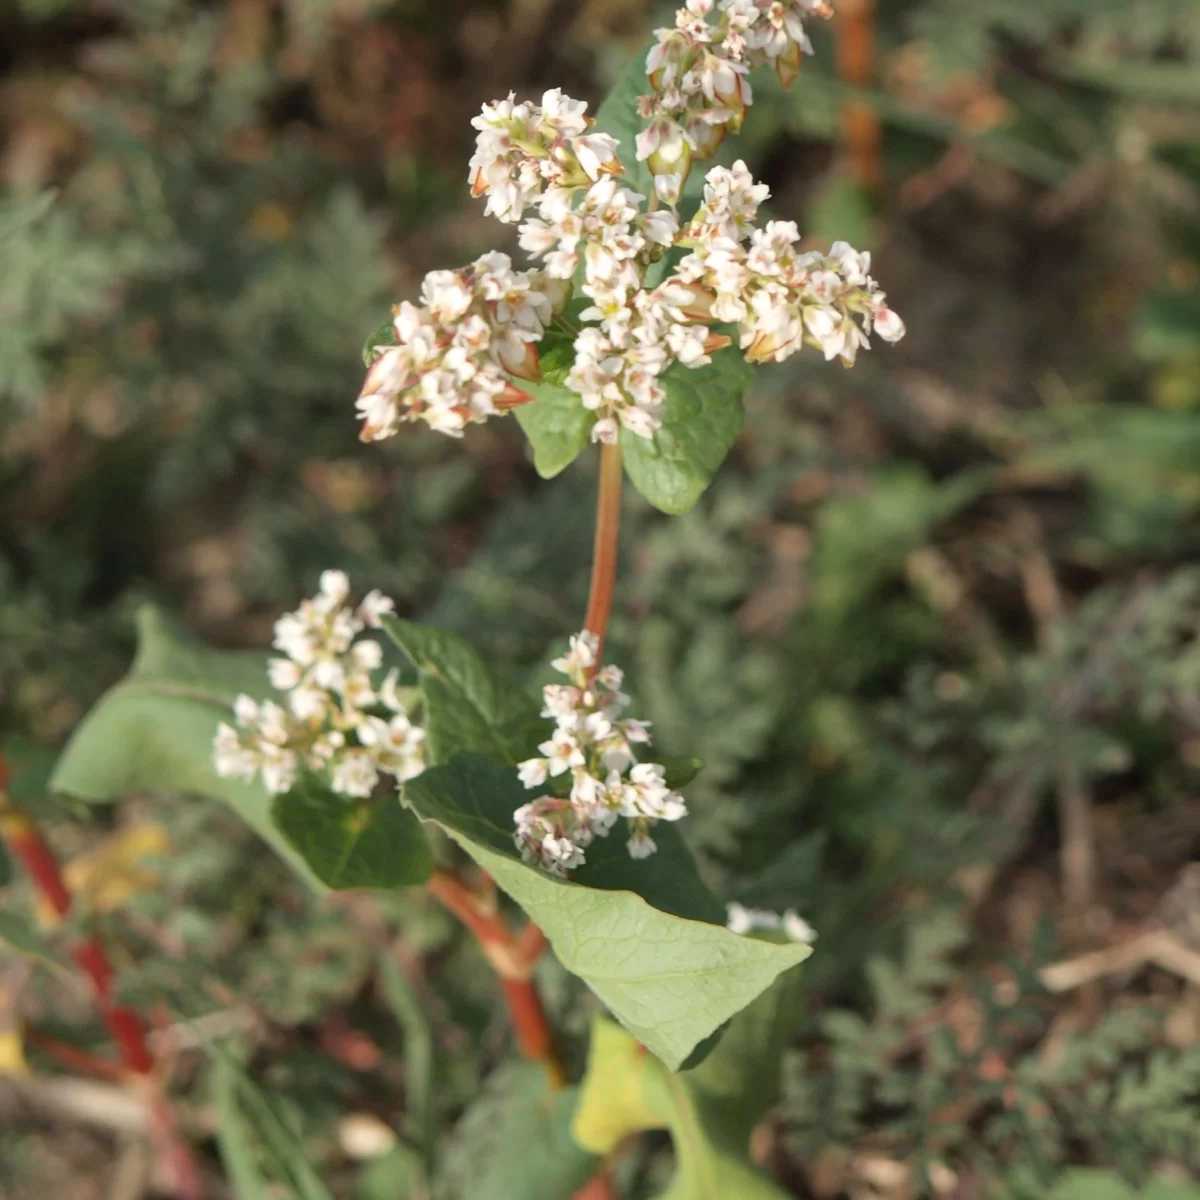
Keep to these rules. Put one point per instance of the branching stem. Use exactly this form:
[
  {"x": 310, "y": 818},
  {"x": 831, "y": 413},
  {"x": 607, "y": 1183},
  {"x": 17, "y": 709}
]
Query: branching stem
[{"x": 513, "y": 956}]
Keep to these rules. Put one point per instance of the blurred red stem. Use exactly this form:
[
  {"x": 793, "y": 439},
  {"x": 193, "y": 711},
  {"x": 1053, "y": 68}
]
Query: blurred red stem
[
  {"x": 604, "y": 551},
  {"x": 125, "y": 1026},
  {"x": 856, "y": 66}
]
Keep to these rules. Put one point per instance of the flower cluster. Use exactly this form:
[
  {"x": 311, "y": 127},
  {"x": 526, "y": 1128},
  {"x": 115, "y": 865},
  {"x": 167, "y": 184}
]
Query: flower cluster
[
  {"x": 591, "y": 753},
  {"x": 698, "y": 71},
  {"x": 752, "y": 920},
  {"x": 335, "y": 718},
  {"x": 524, "y": 148},
  {"x": 449, "y": 362},
  {"x": 618, "y": 363},
  {"x": 780, "y": 296}
]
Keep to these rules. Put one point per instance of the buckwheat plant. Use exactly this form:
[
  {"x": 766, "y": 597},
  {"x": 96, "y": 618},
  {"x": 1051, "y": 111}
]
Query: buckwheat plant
[{"x": 649, "y": 292}]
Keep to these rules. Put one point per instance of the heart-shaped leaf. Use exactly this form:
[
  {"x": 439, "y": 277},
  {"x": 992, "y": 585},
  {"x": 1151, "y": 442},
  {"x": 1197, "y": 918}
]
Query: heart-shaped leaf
[
  {"x": 702, "y": 417},
  {"x": 350, "y": 843},
  {"x": 646, "y": 936},
  {"x": 466, "y": 706}
]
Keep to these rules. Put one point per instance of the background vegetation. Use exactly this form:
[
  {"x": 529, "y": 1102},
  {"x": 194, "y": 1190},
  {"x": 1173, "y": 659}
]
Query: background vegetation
[{"x": 934, "y": 628}]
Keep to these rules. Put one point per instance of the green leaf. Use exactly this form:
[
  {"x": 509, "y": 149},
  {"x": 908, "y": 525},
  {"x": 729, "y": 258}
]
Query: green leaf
[
  {"x": 384, "y": 334},
  {"x": 710, "y": 1111},
  {"x": 253, "y": 1132},
  {"x": 353, "y": 844},
  {"x": 153, "y": 731},
  {"x": 701, "y": 420},
  {"x": 466, "y": 707},
  {"x": 515, "y": 1140},
  {"x": 557, "y": 425},
  {"x": 647, "y": 937},
  {"x": 6, "y": 871},
  {"x": 680, "y": 769}
]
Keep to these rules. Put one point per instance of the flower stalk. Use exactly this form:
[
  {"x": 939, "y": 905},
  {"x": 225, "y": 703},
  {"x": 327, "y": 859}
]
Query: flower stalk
[{"x": 605, "y": 546}]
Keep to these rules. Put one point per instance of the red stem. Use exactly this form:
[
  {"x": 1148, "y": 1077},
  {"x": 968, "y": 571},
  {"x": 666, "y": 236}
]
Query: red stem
[
  {"x": 26, "y": 843},
  {"x": 856, "y": 66},
  {"x": 513, "y": 957},
  {"x": 125, "y": 1026},
  {"x": 604, "y": 550}
]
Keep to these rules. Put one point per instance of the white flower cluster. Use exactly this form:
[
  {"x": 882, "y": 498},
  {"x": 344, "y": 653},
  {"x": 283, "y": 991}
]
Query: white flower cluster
[
  {"x": 448, "y": 366},
  {"x": 523, "y": 148},
  {"x": 592, "y": 750},
  {"x": 640, "y": 334},
  {"x": 779, "y": 296},
  {"x": 698, "y": 72},
  {"x": 335, "y": 718},
  {"x": 749, "y": 920},
  {"x": 618, "y": 363}
]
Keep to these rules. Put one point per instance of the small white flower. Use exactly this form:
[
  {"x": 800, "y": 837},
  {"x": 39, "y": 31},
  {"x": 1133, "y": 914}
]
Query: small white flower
[
  {"x": 355, "y": 774},
  {"x": 797, "y": 928},
  {"x": 532, "y": 772},
  {"x": 374, "y": 606},
  {"x": 284, "y": 673},
  {"x": 335, "y": 587},
  {"x": 641, "y": 844},
  {"x": 747, "y": 920}
]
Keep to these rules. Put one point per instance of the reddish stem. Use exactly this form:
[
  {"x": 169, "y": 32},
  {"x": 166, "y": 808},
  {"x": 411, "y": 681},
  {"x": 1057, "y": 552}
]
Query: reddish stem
[
  {"x": 601, "y": 1187},
  {"x": 513, "y": 957},
  {"x": 604, "y": 550},
  {"x": 125, "y": 1026},
  {"x": 856, "y": 66},
  {"x": 26, "y": 843}
]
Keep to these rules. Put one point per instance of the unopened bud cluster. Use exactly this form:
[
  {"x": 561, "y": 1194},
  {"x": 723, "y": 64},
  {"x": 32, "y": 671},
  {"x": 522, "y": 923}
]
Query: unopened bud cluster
[
  {"x": 591, "y": 753},
  {"x": 698, "y": 71},
  {"x": 334, "y": 718},
  {"x": 454, "y": 353}
]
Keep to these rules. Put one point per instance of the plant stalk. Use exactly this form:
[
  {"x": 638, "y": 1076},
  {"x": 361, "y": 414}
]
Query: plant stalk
[
  {"x": 604, "y": 550},
  {"x": 30, "y": 848},
  {"x": 513, "y": 956}
]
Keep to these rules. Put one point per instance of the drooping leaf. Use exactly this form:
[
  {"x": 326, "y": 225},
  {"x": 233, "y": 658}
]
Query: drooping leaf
[
  {"x": 710, "y": 1112},
  {"x": 153, "y": 731},
  {"x": 515, "y": 1140},
  {"x": 466, "y": 706},
  {"x": 557, "y": 425},
  {"x": 647, "y": 937},
  {"x": 702, "y": 416},
  {"x": 350, "y": 843}
]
